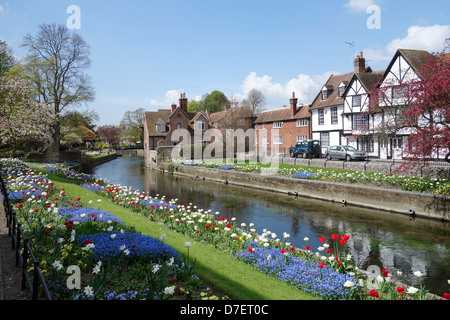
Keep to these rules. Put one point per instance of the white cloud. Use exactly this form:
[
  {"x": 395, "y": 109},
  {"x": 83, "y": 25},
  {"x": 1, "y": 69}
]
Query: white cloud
[
  {"x": 359, "y": 6},
  {"x": 430, "y": 38},
  {"x": 376, "y": 55},
  {"x": 277, "y": 94},
  {"x": 2, "y": 9}
]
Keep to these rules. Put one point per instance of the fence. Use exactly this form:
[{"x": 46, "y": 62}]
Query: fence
[{"x": 24, "y": 252}]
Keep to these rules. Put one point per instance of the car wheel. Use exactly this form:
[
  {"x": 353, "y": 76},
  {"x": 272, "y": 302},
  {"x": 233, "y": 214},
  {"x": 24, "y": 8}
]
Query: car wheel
[
  {"x": 348, "y": 158},
  {"x": 292, "y": 154},
  {"x": 328, "y": 157},
  {"x": 304, "y": 154}
]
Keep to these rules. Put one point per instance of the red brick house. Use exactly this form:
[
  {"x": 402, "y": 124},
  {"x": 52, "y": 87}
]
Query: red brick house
[{"x": 281, "y": 129}]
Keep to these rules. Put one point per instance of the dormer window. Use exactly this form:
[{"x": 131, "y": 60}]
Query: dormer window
[
  {"x": 161, "y": 126},
  {"x": 200, "y": 126},
  {"x": 341, "y": 91},
  {"x": 324, "y": 94}
]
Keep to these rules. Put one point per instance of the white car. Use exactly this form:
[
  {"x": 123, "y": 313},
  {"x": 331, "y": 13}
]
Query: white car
[{"x": 345, "y": 152}]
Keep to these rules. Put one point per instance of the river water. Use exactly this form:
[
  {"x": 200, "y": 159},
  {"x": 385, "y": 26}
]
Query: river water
[{"x": 390, "y": 241}]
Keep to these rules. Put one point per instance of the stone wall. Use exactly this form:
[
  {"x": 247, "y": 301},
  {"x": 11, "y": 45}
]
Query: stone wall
[{"x": 392, "y": 200}]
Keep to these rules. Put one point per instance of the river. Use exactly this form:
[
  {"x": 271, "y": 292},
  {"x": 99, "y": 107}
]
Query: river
[{"x": 390, "y": 241}]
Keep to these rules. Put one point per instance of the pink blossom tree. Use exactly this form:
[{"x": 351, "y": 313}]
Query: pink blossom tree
[
  {"x": 21, "y": 118},
  {"x": 421, "y": 108},
  {"x": 429, "y": 111}
]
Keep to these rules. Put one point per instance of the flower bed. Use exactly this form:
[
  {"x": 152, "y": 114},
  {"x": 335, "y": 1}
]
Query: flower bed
[
  {"x": 88, "y": 238},
  {"x": 114, "y": 261},
  {"x": 436, "y": 186}
]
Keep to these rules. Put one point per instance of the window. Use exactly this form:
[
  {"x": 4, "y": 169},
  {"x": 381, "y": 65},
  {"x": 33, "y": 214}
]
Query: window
[
  {"x": 321, "y": 117},
  {"x": 302, "y": 137},
  {"x": 366, "y": 144},
  {"x": 360, "y": 121},
  {"x": 334, "y": 115},
  {"x": 324, "y": 94},
  {"x": 179, "y": 126},
  {"x": 277, "y": 139},
  {"x": 325, "y": 138},
  {"x": 302, "y": 122},
  {"x": 200, "y": 126},
  {"x": 240, "y": 122},
  {"x": 277, "y": 124},
  {"x": 398, "y": 92},
  {"x": 161, "y": 127},
  {"x": 341, "y": 91},
  {"x": 356, "y": 101},
  {"x": 256, "y": 127}
]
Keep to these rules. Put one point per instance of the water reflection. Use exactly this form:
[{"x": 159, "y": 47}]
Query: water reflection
[{"x": 391, "y": 241}]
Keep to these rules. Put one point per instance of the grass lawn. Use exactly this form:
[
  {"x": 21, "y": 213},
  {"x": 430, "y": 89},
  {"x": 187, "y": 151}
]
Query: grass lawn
[{"x": 237, "y": 279}]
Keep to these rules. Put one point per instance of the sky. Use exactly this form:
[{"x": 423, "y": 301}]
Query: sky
[{"x": 145, "y": 53}]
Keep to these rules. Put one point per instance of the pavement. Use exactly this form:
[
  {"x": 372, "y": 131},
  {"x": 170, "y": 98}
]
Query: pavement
[{"x": 2, "y": 227}]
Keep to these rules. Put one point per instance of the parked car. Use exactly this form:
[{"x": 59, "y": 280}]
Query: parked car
[
  {"x": 345, "y": 152},
  {"x": 306, "y": 149}
]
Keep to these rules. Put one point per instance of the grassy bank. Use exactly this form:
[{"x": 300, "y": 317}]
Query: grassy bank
[{"x": 234, "y": 277}]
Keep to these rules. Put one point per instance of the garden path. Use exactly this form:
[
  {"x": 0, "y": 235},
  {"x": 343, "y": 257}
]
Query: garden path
[{"x": 10, "y": 277}]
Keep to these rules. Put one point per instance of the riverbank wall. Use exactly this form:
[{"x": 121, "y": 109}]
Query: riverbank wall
[
  {"x": 392, "y": 200},
  {"x": 88, "y": 163}
]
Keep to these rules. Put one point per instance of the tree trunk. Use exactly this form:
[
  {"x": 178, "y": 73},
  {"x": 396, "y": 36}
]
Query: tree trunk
[{"x": 52, "y": 152}]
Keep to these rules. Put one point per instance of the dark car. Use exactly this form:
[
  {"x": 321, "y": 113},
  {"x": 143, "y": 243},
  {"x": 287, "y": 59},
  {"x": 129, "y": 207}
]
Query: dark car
[
  {"x": 345, "y": 152},
  {"x": 306, "y": 149}
]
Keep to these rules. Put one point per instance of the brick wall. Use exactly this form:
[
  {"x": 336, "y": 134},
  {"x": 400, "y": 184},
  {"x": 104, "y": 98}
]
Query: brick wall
[{"x": 289, "y": 132}]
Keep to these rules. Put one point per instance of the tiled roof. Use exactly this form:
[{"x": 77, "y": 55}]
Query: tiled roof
[
  {"x": 237, "y": 113},
  {"x": 370, "y": 80},
  {"x": 333, "y": 99},
  {"x": 416, "y": 58},
  {"x": 151, "y": 118},
  {"x": 283, "y": 114}
]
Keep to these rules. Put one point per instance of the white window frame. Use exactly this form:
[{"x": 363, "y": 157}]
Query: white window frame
[
  {"x": 277, "y": 124},
  {"x": 321, "y": 117},
  {"x": 161, "y": 127},
  {"x": 334, "y": 115},
  {"x": 201, "y": 125},
  {"x": 325, "y": 139},
  {"x": 356, "y": 101},
  {"x": 277, "y": 139},
  {"x": 302, "y": 137},
  {"x": 302, "y": 122}
]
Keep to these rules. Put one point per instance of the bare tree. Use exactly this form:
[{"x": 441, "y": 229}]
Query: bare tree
[
  {"x": 254, "y": 101},
  {"x": 56, "y": 63},
  {"x": 132, "y": 123}
]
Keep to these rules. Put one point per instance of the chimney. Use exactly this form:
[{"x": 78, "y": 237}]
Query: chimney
[
  {"x": 173, "y": 107},
  {"x": 293, "y": 102},
  {"x": 360, "y": 64},
  {"x": 183, "y": 102}
]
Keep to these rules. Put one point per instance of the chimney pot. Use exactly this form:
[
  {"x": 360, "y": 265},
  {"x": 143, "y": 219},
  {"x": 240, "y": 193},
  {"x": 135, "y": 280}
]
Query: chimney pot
[
  {"x": 293, "y": 102},
  {"x": 183, "y": 102},
  {"x": 360, "y": 64}
]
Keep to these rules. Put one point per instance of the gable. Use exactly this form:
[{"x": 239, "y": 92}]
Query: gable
[{"x": 404, "y": 66}]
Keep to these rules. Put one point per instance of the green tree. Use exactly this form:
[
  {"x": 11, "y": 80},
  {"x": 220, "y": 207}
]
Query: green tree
[
  {"x": 215, "y": 101},
  {"x": 74, "y": 118},
  {"x": 195, "y": 105},
  {"x": 7, "y": 60},
  {"x": 56, "y": 63}
]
